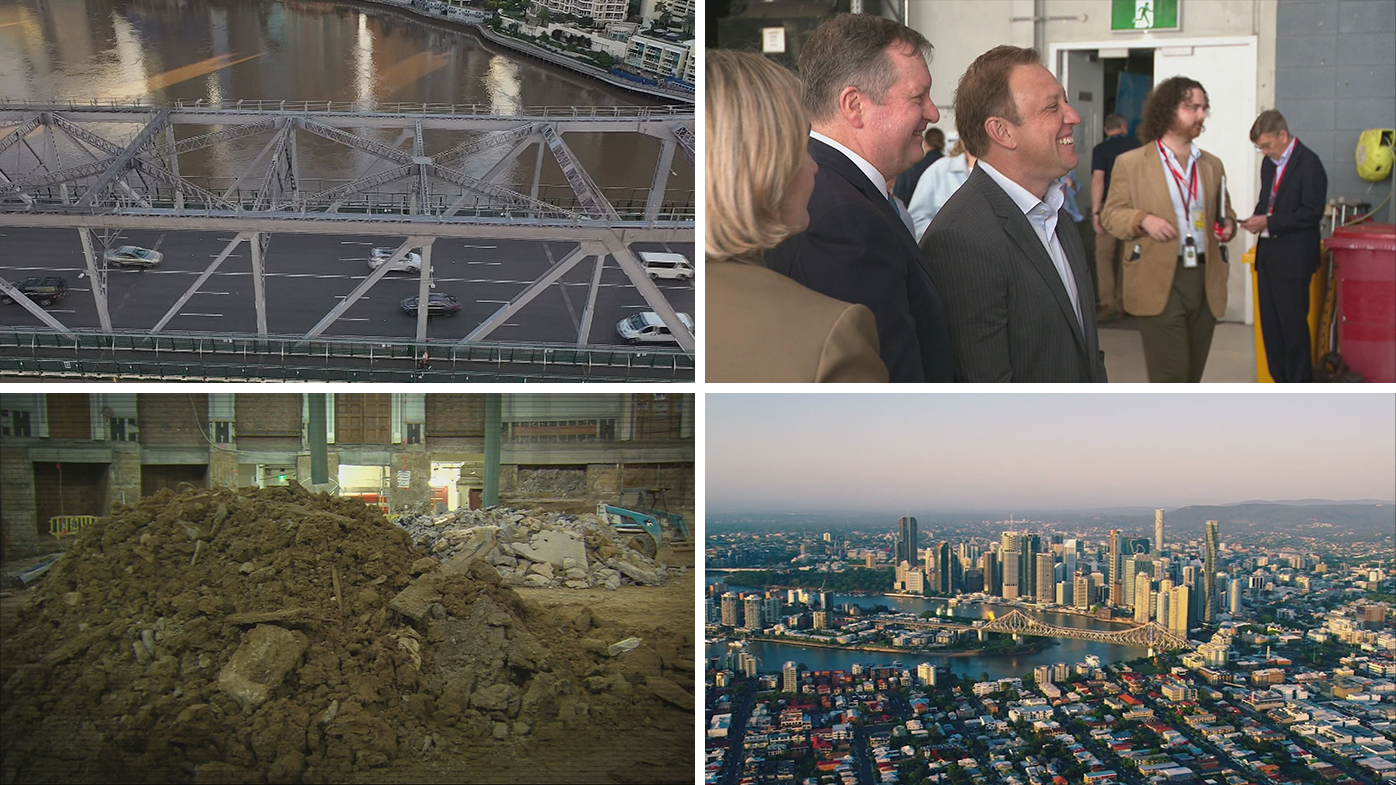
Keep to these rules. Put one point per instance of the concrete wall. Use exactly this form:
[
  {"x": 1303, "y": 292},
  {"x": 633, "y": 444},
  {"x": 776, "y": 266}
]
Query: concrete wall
[
  {"x": 961, "y": 31},
  {"x": 1334, "y": 78},
  {"x": 18, "y": 536}
]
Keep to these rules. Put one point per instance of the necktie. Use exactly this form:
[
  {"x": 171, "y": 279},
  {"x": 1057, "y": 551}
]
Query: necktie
[{"x": 901, "y": 213}]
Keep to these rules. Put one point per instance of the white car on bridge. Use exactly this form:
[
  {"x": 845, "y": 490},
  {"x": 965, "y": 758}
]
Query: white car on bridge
[
  {"x": 411, "y": 262},
  {"x": 133, "y": 256}
]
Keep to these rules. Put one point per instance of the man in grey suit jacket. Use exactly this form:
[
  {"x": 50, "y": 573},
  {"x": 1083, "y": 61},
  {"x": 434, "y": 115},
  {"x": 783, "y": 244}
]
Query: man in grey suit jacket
[{"x": 1006, "y": 259}]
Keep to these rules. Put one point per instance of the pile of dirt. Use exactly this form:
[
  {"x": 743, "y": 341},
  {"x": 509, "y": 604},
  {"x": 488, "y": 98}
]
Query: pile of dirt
[
  {"x": 259, "y": 635},
  {"x": 540, "y": 549}
]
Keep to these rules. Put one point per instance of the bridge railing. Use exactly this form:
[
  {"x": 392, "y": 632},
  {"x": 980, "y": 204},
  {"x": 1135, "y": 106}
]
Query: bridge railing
[
  {"x": 24, "y": 349},
  {"x": 262, "y": 106}
]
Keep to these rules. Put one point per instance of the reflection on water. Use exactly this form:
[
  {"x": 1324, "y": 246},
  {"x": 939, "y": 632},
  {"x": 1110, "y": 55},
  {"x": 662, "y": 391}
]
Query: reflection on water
[{"x": 502, "y": 85}]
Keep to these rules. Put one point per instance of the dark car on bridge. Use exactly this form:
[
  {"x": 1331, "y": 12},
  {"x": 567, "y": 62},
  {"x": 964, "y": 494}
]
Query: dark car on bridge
[
  {"x": 44, "y": 291},
  {"x": 437, "y": 305}
]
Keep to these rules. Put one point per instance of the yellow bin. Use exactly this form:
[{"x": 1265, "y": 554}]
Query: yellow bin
[{"x": 1317, "y": 291}]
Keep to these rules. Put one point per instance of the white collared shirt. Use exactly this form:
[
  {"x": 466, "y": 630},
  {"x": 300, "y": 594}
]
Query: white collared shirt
[
  {"x": 1042, "y": 214},
  {"x": 1198, "y": 204},
  {"x": 875, "y": 177}
]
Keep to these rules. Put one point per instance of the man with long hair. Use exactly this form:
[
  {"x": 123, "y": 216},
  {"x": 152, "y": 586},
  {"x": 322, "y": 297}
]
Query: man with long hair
[{"x": 1167, "y": 204}]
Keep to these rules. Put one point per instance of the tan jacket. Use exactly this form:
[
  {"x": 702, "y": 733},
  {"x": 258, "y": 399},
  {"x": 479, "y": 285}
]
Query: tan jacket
[
  {"x": 1138, "y": 187},
  {"x": 760, "y": 326}
]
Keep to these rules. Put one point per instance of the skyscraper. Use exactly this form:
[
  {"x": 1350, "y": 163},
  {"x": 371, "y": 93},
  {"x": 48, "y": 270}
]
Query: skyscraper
[
  {"x": 942, "y": 579},
  {"x": 731, "y": 610},
  {"x": 1143, "y": 600},
  {"x": 1179, "y": 606},
  {"x": 751, "y": 612},
  {"x": 1031, "y": 545},
  {"x": 1158, "y": 531},
  {"x": 993, "y": 573},
  {"x": 906, "y": 541},
  {"x": 1046, "y": 583},
  {"x": 1081, "y": 591},
  {"x": 1011, "y": 564},
  {"x": 1209, "y": 580},
  {"x": 791, "y": 682},
  {"x": 1113, "y": 569}
]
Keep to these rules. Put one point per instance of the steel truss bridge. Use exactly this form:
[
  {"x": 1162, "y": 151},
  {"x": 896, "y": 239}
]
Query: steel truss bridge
[
  {"x": 1151, "y": 636},
  {"x": 75, "y": 178}
]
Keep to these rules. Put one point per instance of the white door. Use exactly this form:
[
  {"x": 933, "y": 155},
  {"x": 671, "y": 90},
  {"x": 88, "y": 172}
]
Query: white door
[{"x": 1228, "y": 72}]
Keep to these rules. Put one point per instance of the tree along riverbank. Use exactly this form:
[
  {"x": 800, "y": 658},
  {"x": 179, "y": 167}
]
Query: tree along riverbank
[{"x": 1035, "y": 646}]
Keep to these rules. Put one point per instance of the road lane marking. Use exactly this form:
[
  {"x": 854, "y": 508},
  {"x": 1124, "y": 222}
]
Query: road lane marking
[
  {"x": 492, "y": 264},
  {"x": 353, "y": 242},
  {"x": 208, "y": 315},
  {"x": 506, "y": 302}
]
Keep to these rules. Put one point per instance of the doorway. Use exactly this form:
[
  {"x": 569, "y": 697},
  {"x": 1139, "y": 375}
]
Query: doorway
[{"x": 1226, "y": 67}]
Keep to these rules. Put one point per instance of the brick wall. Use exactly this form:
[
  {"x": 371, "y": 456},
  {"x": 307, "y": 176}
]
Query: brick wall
[
  {"x": 268, "y": 421},
  {"x": 173, "y": 420},
  {"x": 455, "y": 415}
]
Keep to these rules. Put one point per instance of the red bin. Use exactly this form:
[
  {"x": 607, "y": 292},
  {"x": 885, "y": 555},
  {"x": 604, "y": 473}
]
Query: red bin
[{"x": 1364, "y": 267}]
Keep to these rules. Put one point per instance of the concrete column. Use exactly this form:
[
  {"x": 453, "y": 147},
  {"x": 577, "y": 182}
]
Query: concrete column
[
  {"x": 418, "y": 489},
  {"x": 222, "y": 469},
  {"x": 493, "y": 426},
  {"x": 19, "y": 534},
  {"x": 123, "y": 476},
  {"x": 303, "y": 471}
]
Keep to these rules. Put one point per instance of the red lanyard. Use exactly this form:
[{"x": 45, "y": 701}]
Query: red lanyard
[
  {"x": 1275, "y": 187},
  {"x": 1191, "y": 192}
]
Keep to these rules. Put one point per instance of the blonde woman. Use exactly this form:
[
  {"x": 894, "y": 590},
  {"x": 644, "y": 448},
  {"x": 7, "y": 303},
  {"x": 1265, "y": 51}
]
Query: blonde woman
[{"x": 762, "y": 326}]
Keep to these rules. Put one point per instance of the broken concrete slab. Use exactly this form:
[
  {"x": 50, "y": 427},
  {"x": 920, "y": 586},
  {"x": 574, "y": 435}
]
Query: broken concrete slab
[
  {"x": 261, "y": 663},
  {"x": 670, "y": 691},
  {"x": 415, "y": 600},
  {"x": 552, "y": 546}
]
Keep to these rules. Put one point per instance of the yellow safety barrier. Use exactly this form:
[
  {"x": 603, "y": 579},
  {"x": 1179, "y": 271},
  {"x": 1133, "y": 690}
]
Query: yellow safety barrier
[
  {"x": 68, "y": 525},
  {"x": 1318, "y": 289}
]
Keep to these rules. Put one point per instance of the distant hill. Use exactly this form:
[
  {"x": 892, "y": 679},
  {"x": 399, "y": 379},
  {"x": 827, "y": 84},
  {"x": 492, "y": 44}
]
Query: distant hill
[{"x": 1339, "y": 521}]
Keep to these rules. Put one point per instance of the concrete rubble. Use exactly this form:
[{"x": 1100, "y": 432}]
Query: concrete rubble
[{"x": 535, "y": 549}]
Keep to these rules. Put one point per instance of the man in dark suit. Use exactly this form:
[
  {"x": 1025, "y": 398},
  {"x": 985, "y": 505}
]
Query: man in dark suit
[
  {"x": 867, "y": 92},
  {"x": 1293, "y": 190},
  {"x": 1005, "y": 256}
]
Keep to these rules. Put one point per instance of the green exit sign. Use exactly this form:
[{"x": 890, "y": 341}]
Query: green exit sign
[{"x": 1143, "y": 14}]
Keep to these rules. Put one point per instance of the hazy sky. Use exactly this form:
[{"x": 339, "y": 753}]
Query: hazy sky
[{"x": 948, "y": 452}]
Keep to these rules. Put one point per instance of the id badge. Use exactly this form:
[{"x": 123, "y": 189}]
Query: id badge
[
  {"x": 1189, "y": 254},
  {"x": 1197, "y": 220}
]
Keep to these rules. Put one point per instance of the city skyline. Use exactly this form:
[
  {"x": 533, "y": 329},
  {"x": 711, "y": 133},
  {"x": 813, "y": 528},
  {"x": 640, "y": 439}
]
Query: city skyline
[{"x": 922, "y": 454}]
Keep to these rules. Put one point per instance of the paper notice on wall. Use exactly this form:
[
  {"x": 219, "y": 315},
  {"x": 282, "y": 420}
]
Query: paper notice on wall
[
  {"x": 773, "y": 40},
  {"x": 404, "y": 478}
]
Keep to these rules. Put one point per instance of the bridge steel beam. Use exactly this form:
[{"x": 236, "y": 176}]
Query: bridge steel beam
[
  {"x": 198, "y": 282},
  {"x": 258, "y": 242},
  {"x": 531, "y": 291},
  {"x": 9, "y": 290},
  {"x": 549, "y": 230},
  {"x": 584, "y": 329},
  {"x": 660, "y": 181},
  {"x": 124, "y": 159},
  {"x": 362, "y": 289},
  {"x": 424, "y": 286},
  {"x": 98, "y": 278},
  {"x": 650, "y": 292}
]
